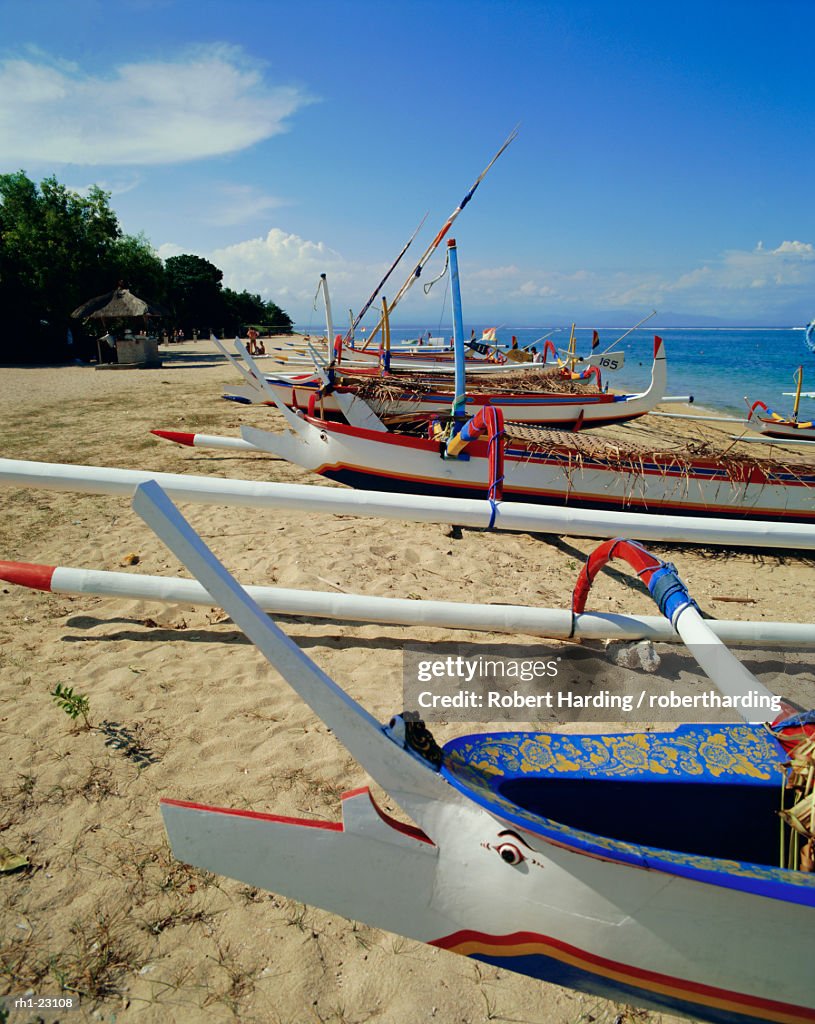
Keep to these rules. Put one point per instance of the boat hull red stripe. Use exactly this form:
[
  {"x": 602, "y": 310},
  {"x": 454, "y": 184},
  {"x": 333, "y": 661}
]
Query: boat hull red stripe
[
  {"x": 333, "y": 826},
  {"x": 549, "y": 959}
]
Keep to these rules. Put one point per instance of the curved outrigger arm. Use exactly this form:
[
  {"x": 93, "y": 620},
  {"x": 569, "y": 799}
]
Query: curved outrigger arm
[
  {"x": 671, "y": 595},
  {"x": 409, "y": 778}
]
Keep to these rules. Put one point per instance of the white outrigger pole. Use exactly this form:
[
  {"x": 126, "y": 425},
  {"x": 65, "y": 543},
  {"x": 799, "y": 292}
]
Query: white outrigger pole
[
  {"x": 552, "y": 623},
  {"x": 467, "y": 512}
]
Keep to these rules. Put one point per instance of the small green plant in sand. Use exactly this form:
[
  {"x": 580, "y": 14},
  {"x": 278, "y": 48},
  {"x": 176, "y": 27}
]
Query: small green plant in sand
[{"x": 73, "y": 704}]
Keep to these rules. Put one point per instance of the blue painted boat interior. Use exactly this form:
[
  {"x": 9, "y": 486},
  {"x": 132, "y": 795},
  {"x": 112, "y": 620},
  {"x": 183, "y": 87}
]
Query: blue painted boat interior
[{"x": 706, "y": 790}]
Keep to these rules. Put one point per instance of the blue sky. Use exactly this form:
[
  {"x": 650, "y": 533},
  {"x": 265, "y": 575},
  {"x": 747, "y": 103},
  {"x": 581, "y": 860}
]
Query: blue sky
[{"x": 666, "y": 154}]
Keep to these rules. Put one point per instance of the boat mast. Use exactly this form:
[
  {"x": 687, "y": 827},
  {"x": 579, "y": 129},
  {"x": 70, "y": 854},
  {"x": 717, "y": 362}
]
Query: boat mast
[
  {"x": 355, "y": 320},
  {"x": 459, "y": 408}
]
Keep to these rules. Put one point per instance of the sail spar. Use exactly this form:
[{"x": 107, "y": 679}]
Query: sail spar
[{"x": 416, "y": 272}]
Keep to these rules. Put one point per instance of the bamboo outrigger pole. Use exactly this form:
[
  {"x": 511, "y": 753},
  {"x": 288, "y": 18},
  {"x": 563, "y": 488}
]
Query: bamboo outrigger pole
[
  {"x": 799, "y": 376},
  {"x": 554, "y": 623},
  {"x": 416, "y": 272}
]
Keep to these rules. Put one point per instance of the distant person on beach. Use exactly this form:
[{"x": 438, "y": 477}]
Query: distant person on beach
[
  {"x": 537, "y": 357},
  {"x": 108, "y": 353},
  {"x": 252, "y": 335}
]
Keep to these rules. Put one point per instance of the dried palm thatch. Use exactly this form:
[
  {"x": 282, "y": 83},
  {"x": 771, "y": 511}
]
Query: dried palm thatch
[
  {"x": 800, "y": 817},
  {"x": 398, "y": 386},
  {"x": 675, "y": 458},
  {"x": 121, "y": 302}
]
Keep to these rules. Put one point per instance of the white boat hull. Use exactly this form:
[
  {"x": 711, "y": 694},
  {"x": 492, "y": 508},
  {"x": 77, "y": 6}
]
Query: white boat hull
[
  {"x": 390, "y": 462},
  {"x": 568, "y": 411}
]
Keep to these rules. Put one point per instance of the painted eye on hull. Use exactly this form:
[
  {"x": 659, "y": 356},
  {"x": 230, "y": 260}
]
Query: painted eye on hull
[{"x": 510, "y": 853}]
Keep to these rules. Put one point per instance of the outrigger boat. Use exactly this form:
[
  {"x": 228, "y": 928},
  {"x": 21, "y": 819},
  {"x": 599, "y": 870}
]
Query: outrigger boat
[
  {"x": 555, "y": 402},
  {"x": 464, "y": 457},
  {"x": 774, "y": 425},
  {"x": 400, "y": 394},
  {"x": 546, "y": 468},
  {"x": 668, "y": 870},
  {"x": 672, "y": 870}
]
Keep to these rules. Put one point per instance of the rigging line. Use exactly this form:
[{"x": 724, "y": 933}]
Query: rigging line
[
  {"x": 316, "y": 295},
  {"x": 357, "y": 319},
  {"x": 429, "y": 284},
  {"x": 630, "y": 331}
]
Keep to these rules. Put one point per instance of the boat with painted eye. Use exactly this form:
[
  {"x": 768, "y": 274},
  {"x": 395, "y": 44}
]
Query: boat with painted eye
[
  {"x": 451, "y": 456},
  {"x": 549, "y": 468},
  {"x": 640, "y": 867},
  {"x": 652, "y": 868}
]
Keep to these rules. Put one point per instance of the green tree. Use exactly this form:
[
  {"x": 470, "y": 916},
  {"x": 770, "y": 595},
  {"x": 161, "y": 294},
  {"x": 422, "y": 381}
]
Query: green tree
[
  {"x": 277, "y": 317},
  {"x": 55, "y": 251},
  {"x": 136, "y": 262},
  {"x": 243, "y": 308},
  {"x": 194, "y": 292},
  {"x": 59, "y": 248}
]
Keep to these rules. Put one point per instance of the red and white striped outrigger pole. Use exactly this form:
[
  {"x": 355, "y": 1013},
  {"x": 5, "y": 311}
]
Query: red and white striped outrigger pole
[{"x": 553, "y": 623}]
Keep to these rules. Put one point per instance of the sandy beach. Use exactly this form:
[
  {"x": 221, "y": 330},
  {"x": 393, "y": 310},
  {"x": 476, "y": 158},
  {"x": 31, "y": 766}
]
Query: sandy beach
[{"x": 181, "y": 705}]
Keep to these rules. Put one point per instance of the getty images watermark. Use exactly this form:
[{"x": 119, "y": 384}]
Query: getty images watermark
[{"x": 466, "y": 683}]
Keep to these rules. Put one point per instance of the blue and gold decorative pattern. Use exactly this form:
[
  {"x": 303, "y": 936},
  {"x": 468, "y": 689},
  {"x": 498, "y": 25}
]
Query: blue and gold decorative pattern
[
  {"x": 691, "y": 752},
  {"x": 478, "y": 765}
]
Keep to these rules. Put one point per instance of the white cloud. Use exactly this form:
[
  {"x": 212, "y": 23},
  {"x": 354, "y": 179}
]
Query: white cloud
[
  {"x": 285, "y": 267},
  {"x": 738, "y": 282},
  {"x": 201, "y": 104},
  {"x": 116, "y": 186},
  {"x": 169, "y": 249},
  {"x": 281, "y": 265},
  {"x": 803, "y": 249}
]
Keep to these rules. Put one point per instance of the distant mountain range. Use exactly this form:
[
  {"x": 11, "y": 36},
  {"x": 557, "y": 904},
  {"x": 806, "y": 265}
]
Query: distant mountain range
[{"x": 615, "y": 319}]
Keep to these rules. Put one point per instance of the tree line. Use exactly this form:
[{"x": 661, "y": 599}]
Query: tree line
[{"x": 59, "y": 248}]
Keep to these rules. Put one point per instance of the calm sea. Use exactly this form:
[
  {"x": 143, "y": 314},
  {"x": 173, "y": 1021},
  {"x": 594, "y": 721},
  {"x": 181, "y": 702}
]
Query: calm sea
[{"x": 718, "y": 366}]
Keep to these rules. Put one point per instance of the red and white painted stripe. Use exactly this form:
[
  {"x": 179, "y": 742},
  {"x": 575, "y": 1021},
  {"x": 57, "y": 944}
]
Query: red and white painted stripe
[{"x": 554, "y": 623}]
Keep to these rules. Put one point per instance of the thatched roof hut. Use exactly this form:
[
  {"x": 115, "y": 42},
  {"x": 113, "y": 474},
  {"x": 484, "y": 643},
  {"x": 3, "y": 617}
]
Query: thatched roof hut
[{"x": 121, "y": 302}]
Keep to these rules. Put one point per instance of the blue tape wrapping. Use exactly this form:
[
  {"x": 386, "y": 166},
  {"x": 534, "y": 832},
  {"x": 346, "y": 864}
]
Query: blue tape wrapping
[
  {"x": 669, "y": 592},
  {"x": 493, "y": 514}
]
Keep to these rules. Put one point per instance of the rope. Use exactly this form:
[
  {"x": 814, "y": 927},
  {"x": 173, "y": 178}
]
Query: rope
[{"x": 426, "y": 287}]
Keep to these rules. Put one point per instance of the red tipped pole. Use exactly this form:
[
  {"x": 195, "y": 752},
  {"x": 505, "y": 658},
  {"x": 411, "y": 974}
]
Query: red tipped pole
[
  {"x": 178, "y": 436},
  {"x": 203, "y": 440},
  {"x": 28, "y": 574}
]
